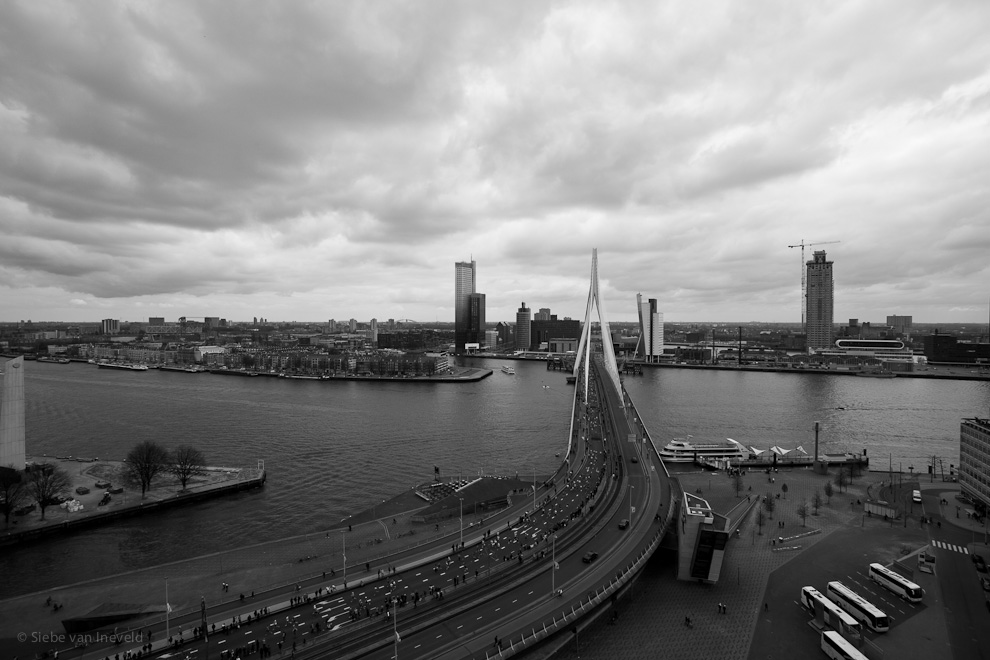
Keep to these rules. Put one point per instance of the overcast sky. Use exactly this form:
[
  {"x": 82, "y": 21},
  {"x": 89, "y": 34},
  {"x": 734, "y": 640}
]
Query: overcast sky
[{"x": 317, "y": 160}]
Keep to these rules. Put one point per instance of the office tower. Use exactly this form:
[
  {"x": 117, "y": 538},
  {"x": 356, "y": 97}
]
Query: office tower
[
  {"x": 465, "y": 279},
  {"x": 974, "y": 459},
  {"x": 12, "y": 439},
  {"x": 522, "y": 328},
  {"x": 542, "y": 315},
  {"x": 475, "y": 331},
  {"x": 901, "y": 325},
  {"x": 352, "y": 326},
  {"x": 110, "y": 327},
  {"x": 374, "y": 332},
  {"x": 650, "y": 344},
  {"x": 504, "y": 333},
  {"x": 543, "y": 333},
  {"x": 331, "y": 326},
  {"x": 819, "y": 303}
]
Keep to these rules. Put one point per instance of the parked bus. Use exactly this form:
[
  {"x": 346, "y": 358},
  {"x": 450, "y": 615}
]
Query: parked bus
[
  {"x": 838, "y": 648},
  {"x": 857, "y": 606},
  {"x": 835, "y": 617},
  {"x": 897, "y": 583}
]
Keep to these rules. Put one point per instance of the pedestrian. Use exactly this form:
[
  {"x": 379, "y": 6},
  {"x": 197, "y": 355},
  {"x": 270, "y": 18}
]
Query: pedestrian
[{"x": 766, "y": 606}]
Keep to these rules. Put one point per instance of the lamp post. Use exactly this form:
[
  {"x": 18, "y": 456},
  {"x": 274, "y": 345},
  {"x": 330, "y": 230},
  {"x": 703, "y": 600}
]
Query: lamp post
[
  {"x": 630, "y": 502},
  {"x": 343, "y": 551},
  {"x": 553, "y": 566},
  {"x": 461, "y": 499}
]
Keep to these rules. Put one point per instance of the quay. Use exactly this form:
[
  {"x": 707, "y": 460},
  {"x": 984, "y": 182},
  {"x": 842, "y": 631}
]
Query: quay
[
  {"x": 85, "y": 473},
  {"x": 459, "y": 375}
]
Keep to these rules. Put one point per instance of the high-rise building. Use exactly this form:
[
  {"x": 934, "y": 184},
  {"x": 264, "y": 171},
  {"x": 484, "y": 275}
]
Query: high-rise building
[
  {"x": 373, "y": 335},
  {"x": 901, "y": 325},
  {"x": 465, "y": 279},
  {"x": 543, "y": 332},
  {"x": 110, "y": 327},
  {"x": 819, "y": 303},
  {"x": 522, "y": 327},
  {"x": 504, "y": 331},
  {"x": 156, "y": 320},
  {"x": 12, "y": 445},
  {"x": 974, "y": 459},
  {"x": 650, "y": 345},
  {"x": 542, "y": 315},
  {"x": 475, "y": 333},
  {"x": 352, "y": 325}
]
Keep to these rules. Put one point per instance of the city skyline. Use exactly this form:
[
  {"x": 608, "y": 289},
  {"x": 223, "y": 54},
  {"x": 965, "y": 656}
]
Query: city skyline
[{"x": 321, "y": 161}]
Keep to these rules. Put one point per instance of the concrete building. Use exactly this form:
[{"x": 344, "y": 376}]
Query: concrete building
[
  {"x": 544, "y": 332},
  {"x": 474, "y": 332},
  {"x": 504, "y": 331},
  {"x": 465, "y": 280},
  {"x": 373, "y": 333},
  {"x": 12, "y": 438},
  {"x": 974, "y": 460},
  {"x": 819, "y": 304},
  {"x": 542, "y": 315},
  {"x": 650, "y": 345},
  {"x": 523, "y": 322},
  {"x": 901, "y": 325},
  {"x": 156, "y": 320},
  {"x": 701, "y": 542},
  {"x": 110, "y": 327}
]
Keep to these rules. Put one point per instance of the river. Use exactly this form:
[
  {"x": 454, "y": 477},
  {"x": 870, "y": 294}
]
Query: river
[{"x": 333, "y": 448}]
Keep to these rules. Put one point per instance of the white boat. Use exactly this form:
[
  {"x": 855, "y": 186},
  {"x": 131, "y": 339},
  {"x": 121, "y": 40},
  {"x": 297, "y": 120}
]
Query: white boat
[
  {"x": 122, "y": 365},
  {"x": 508, "y": 370},
  {"x": 686, "y": 450}
]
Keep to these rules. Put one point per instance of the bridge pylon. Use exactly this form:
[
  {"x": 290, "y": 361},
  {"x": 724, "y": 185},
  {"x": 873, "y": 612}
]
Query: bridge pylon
[{"x": 596, "y": 304}]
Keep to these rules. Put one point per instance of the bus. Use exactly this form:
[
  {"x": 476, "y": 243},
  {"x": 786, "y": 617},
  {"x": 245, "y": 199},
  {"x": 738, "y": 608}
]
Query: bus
[
  {"x": 838, "y": 648},
  {"x": 835, "y": 617},
  {"x": 897, "y": 583},
  {"x": 858, "y": 607}
]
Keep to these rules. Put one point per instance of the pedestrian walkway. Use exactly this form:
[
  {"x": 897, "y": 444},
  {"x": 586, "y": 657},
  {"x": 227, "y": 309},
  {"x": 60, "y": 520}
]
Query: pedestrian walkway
[
  {"x": 651, "y": 622},
  {"x": 950, "y": 546}
]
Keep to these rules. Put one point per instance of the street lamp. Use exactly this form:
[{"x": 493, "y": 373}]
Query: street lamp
[
  {"x": 630, "y": 502},
  {"x": 553, "y": 567},
  {"x": 343, "y": 551},
  {"x": 461, "y": 500}
]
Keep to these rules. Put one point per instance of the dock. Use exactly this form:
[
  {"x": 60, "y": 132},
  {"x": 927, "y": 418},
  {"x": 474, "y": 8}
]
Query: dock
[{"x": 87, "y": 472}]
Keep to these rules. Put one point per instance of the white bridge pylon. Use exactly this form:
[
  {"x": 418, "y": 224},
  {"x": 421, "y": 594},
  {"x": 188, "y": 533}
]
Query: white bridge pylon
[{"x": 584, "y": 346}]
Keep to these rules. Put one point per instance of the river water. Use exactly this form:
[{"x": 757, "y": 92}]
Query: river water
[{"x": 333, "y": 448}]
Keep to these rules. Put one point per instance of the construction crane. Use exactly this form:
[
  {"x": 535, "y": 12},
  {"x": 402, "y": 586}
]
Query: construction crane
[{"x": 804, "y": 275}]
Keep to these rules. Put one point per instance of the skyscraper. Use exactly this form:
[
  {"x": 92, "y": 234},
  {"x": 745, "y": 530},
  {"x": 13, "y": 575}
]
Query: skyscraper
[
  {"x": 650, "y": 344},
  {"x": 819, "y": 303},
  {"x": 522, "y": 328},
  {"x": 475, "y": 333},
  {"x": 465, "y": 274}
]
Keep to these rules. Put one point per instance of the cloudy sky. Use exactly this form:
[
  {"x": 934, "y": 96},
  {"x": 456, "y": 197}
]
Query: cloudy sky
[{"x": 316, "y": 160}]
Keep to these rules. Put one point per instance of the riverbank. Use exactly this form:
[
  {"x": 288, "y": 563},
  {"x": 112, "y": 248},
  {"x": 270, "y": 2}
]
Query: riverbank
[{"x": 100, "y": 492}]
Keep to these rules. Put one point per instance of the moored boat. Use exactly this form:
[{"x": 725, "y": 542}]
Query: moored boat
[
  {"x": 686, "y": 450},
  {"x": 126, "y": 366},
  {"x": 508, "y": 370}
]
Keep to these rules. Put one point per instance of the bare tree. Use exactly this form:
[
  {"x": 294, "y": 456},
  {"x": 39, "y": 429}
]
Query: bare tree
[
  {"x": 841, "y": 480},
  {"x": 803, "y": 512},
  {"x": 13, "y": 492},
  {"x": 816, "y": 501},
  {"x": 769, "y": 504},
  {"x": 187, "y": 462},
  {"x": 48, "y": 483},
  {"x": 828, "y": 491},
  {"x": 145, "y": 462},
  {"x": 737, "y": 481}
]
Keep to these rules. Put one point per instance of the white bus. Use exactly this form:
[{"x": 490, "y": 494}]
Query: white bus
[
  {"x": 835, "y": 617},
  {"x": 858, "y": 607},
  {"x": 897, "y": 583},
  {"x": 838, "y": 648}
]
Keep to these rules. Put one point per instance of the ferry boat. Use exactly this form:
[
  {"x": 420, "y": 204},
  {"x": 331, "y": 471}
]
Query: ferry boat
[
  {"x": 54, "y": 360},
  {"x": 122, "y": 365},
  {"x": 686, "y": 450},
  {"x": 508, "y": 370}
]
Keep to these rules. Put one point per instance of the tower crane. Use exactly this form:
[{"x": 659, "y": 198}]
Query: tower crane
[{"x": 804, "y": 275}]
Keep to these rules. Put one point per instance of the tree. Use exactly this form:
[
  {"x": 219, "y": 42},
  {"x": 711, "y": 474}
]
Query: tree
[
  {"x": 145, "y": 462},
  {"x": 828, "y": 491},
  {"x": 769, "y": 504},
  {"x": 816, "y": 501},
  {"x": 803, "y": 512},
  {"x": 841, "y": 480},
  {"x": 186, "y": 463},
  {"x": 13, "y": 492},
  {"x": 47, "y": 484},
  {"x": 737, "y": 481}
]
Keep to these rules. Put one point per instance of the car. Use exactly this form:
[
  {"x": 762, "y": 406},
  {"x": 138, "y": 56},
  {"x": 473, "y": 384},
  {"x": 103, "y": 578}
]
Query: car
[
  {"x": 635, "y": 459},
  {"x": 985, "y": 583},
  {"x": 589, "y": 557},
  {"x": 623, "y": 523},
  {"x": 981, "y": 565},
  {"x": 82, "y": 490},
  {"x": 117, "y": 490},
  {"x": 103, "y": 484}
]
